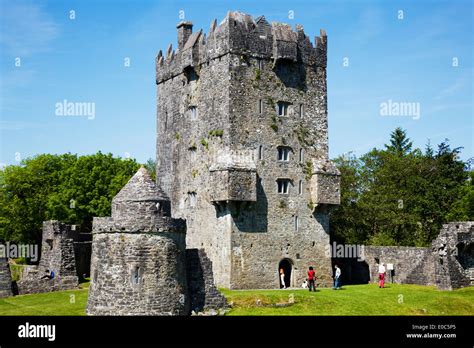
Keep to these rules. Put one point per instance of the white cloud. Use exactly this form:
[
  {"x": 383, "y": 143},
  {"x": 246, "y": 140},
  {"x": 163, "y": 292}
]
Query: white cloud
[
  {"x": 26, "y": 28},
  {"x": 451, "y": 89}
]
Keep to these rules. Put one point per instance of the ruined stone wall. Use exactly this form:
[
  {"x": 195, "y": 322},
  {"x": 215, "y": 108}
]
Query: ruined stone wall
[
  {"x": 57, "y": 255},
  {"x": 453, "y": 253},
  {"x": 412, "y": 265},
  {"x": 204, "y": 295},
  {"x": 5, "y": 279}
]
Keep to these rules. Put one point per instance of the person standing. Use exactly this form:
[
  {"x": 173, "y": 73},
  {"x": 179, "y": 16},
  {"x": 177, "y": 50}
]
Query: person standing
[
  {"x": 311, "y": 279},
  {"x": 282, "y": 278},
  {"x": 337, "y": 278},
  {"x": 381, "y": 275}
]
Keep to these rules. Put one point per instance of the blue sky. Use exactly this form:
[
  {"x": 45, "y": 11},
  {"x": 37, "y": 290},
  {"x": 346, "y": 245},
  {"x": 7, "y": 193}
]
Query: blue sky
[{"x": 82, "y": 60}]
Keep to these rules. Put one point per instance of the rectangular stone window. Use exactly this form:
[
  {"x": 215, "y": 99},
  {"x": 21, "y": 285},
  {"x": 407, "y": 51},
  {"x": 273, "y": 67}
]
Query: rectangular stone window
[
  {"x": 283, "y": 186},
  {"x": 284, "y": 153},
  {"x": 260, "y": 106},
  {"x": 260, "y": 152},
  {"x": 300, "y": 187},
  {"x": 194, "y": 112},
  {"x": 301, "y": 111},
  {"x": 297, "y": 224},
  {"x": 136, "y": 275},
  {"x": 192, "y": 199},
  {"x": 283, "y": 108},
  {"x": 301, "y": 155}
]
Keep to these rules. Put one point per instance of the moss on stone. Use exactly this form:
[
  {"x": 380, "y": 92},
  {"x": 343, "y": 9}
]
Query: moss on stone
[
  {"x": 205, "y": 143},
  {"x": 216, "y": 133},
  {"x": 308, "y": 170}
]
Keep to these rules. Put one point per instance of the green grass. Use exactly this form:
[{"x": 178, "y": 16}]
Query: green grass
[
  {"x": 351, "y": 300},
  {"x": 368, "y": 299},
  {"x": 70, "y": 302}
]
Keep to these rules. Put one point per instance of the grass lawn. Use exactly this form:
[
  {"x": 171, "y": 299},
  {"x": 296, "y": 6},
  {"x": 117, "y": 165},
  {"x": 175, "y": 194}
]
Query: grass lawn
[
  {"x": 367, "y": 299},
  {"x": 351, "y": 300},
  {"x": 70, "y": 302}
]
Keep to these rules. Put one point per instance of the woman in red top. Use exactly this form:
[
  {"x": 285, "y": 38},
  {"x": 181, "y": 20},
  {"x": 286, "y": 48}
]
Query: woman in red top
[{"x": 311, "y": 279}]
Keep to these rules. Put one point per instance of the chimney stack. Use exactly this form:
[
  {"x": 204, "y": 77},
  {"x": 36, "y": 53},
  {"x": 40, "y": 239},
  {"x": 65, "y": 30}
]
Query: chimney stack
[{"x": 185, "y": 29}]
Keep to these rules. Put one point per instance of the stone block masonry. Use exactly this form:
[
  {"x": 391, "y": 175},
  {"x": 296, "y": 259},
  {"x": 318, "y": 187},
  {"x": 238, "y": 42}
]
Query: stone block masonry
[
  {"x": 140, "y": 265},
  {"x": 57, "y": 255},
  {"x": 5, "y": 279},
  {"x": 448, "y": 263},
  {"x": 453, "y": 252},
  {"x": 138, "y": 255},
  {"x": 242, "y": 148}
]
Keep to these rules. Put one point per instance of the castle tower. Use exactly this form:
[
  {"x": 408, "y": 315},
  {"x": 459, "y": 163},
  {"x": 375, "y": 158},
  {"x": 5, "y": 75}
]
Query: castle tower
[
  {"x": 138, "y": 255},
  {"x": 242, "y": 148}
]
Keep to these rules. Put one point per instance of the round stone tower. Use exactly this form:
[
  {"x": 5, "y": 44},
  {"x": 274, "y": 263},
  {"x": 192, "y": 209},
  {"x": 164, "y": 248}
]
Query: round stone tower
[{"x": 138, "y": 255}]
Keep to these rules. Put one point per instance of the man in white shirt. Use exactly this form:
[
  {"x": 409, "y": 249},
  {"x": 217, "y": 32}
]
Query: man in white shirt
[
  {"x": 381, "y": 275},
  {"x": 337, "y": 278}
]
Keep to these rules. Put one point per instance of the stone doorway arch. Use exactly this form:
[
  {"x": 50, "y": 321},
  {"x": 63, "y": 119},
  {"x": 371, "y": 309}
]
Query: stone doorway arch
[{"x": 287, "y": 266}]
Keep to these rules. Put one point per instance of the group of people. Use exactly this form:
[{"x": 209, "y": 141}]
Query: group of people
[{"x": 310, "y": 281}]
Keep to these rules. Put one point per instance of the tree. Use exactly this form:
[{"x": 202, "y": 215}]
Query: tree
[
  {"x": 399, "y": 142},
  {"x": 400, "y": 196},
  {"x": 150, "y": 165},
  {"x": 64, "y": 187}
]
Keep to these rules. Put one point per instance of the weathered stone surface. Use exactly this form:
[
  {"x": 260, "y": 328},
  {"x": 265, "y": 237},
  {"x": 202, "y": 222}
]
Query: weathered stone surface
[
  {"x": 5, "y": 278},
  {"x": 138, "y": 255},
  {"x": 453, "y": 252},
  {"x": 448, "y": 264},
  {"x": 325, "y": 183},
  {"x": 223, "y": 94},
  {"x": 57, "y": 255},
  {"x": 203, "y": 292},
  {"x": 411, "y": 265},
  {"x": 137, "y": 274}
]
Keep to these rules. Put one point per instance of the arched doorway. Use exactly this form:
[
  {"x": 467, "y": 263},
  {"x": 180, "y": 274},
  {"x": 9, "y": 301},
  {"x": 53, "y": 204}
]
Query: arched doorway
[{"x": 286, "y": 265}]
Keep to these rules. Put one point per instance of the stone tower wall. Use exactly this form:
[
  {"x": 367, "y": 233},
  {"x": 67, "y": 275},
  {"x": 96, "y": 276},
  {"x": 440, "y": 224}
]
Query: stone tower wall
[
  {"x": 159, "y": 262},
  {"x": 244, "y": 68},
  {"x": 138, "y": 264}
]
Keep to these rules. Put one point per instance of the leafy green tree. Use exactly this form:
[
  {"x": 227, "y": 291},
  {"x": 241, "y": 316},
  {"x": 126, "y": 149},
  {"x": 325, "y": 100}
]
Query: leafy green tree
[
  {"x": 400, "y": 196},
  {"x": 463, "y": 208},
  {"x": 64, "y": 187}
]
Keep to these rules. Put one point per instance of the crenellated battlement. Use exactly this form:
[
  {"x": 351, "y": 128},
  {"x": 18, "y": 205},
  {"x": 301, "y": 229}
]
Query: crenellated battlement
[{"x": 240, "y": 34}]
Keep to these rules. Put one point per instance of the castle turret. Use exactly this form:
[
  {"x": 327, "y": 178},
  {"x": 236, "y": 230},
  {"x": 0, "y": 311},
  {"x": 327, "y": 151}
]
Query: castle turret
[{"x": 138, "y": 255}]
